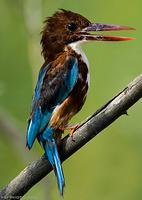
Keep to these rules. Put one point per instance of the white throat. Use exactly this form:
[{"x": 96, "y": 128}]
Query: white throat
[{"x": 76, "y": 47}]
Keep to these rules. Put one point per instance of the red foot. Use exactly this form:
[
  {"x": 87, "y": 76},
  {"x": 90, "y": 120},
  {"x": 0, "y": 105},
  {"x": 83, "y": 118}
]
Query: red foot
[{"x": 73, "y": 129}]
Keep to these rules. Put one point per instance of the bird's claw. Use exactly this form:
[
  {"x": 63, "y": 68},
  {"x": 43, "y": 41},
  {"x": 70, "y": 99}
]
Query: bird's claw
[{"x": 72, "y": 128}]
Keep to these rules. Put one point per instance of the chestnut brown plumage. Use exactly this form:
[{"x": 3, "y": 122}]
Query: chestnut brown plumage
[{"x": 63, "y": 80}]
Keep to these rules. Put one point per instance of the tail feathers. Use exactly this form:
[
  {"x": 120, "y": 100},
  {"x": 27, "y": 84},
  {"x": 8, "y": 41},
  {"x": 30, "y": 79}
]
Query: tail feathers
[
  {"x": 59, "y": 172},
  {"x": 53, "y": 156}
]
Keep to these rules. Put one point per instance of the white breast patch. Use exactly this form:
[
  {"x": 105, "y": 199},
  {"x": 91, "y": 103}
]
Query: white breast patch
[{"x": 76, "y": 47}]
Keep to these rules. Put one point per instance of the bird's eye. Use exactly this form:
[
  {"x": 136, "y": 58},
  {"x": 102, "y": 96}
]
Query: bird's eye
[{"x": 72, "y": 26}]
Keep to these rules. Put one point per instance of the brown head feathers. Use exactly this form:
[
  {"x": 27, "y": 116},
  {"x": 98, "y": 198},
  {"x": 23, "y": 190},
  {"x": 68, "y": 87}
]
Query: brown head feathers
[{"x": 59, "y": 30}]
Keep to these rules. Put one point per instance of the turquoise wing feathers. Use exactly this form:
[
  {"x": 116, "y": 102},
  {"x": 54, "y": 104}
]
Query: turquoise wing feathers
[{"x": 54, "y": 85}]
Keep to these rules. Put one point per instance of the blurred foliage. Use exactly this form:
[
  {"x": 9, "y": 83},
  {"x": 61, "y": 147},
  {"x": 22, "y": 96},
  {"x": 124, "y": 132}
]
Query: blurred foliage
[{"x": 108, "y": 167}]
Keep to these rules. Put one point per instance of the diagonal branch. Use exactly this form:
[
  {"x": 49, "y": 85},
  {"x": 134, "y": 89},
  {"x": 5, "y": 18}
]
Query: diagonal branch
[{"x": 102, "y": 118}]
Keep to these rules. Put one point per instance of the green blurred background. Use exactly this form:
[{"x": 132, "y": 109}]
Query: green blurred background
[{"x": 110, "y": 166}]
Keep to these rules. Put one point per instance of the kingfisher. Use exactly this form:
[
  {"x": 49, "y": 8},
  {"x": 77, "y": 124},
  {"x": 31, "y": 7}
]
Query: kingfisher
[{"x": 63, "y": 81}]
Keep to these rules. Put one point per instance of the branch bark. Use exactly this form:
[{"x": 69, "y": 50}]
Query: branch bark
[{"x": 102, "y": 118}]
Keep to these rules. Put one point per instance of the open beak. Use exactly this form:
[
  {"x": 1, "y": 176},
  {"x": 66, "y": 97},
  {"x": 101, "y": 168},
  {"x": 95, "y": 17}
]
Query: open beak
[{"x": 104, "y": 27}]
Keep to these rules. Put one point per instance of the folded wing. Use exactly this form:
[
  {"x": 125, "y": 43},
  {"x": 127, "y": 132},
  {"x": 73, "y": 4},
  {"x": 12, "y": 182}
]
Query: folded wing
[{"x": 55, "y": 82}]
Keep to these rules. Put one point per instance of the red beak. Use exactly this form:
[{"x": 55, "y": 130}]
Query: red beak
[{"x": 104, "y": 27}]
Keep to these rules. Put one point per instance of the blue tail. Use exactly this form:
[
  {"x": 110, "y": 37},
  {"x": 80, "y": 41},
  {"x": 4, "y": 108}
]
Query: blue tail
[{"x": 51, "y": 152}]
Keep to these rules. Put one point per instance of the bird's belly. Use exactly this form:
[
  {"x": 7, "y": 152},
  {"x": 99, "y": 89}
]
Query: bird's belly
[{"x": 70, "y": 106}]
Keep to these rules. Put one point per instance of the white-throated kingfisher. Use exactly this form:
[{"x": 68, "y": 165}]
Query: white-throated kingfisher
[{"x": 63, "y": 80}]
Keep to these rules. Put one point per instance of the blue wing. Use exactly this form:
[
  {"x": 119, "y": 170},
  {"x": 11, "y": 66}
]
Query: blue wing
[
  {"x": 55, "y": 82},
  {"x": 53, "y": 86},
  {"x": 37, "y": 92},
  {"x": 34, "y": 122}
]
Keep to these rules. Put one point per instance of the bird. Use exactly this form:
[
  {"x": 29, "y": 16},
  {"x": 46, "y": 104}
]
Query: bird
[{"x": 63, "y": 81}]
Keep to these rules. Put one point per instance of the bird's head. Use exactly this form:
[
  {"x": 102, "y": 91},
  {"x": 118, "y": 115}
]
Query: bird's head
[{"x": 66, "y": 27}]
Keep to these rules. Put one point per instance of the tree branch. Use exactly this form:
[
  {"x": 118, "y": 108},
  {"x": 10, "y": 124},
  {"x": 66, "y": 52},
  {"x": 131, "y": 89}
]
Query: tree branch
[{"x": 102, "y": 118}]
